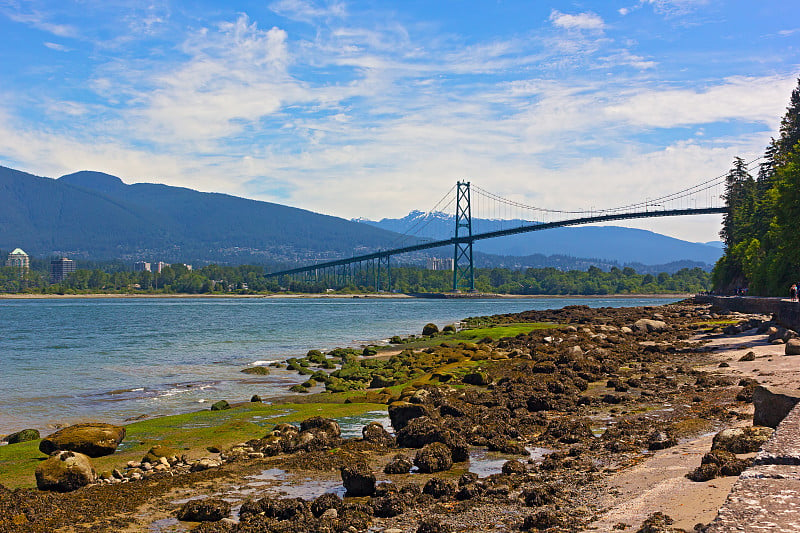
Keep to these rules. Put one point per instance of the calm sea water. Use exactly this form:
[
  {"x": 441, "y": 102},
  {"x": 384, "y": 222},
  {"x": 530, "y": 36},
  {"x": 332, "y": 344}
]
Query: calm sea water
[{"x": 71, "y": 360}]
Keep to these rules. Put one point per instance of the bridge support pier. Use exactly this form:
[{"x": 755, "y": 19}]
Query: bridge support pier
[{"x": 463, "y": 266}]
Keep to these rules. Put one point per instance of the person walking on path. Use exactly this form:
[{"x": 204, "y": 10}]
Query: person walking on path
[{"x": 793, "y": 292}]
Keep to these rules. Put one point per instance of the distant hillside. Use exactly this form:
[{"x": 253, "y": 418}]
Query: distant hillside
[
  {"x": 606, "y": 243},
  {"x": 96, "y": 216}
]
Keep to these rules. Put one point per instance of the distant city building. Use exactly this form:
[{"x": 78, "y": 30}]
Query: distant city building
[
  {"x": 141, "y": 266},
  {"x": 158, "y": 267},
  {"x": 440, "y": 263},
  {"x": 18, "y": 259},
  {"x": 60, "y": 269}
]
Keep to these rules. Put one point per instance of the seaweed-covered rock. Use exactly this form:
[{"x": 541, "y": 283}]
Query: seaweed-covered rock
[
  {"x": 477, "y": 378},
  {"x": 401, "y": 413},
  {"x": 513, "y": 467},
  {"x": 439, "y": 488},
  {"x": 155, "y": 453},
  {"x": 277, "y": 508},
  {"x": 433, "y": 525},
  {"x": 741, "y": 440},
  {"x": 92, "y": 439},
  {"x": 430, "y": 329},
  {"x": 65, "y": 471},
  {"x": 660, "y": 440},
  {"x": 324, "y": 502},
  {"x": 645, "y": 325},
  {"x": 358, "y": 479},
  {"x": 206, "y": 510},
  {"x": 434, "y": 457},
  {"x": 221, "y": 405},
  {"x": 540, "y": 494},
  {"x": 541, "y": 520},
  {"x": 390, "y": 505},
  {"x": 658, "y": 523},
  {"x": 375, "y": 432},
  {"x": 22, "y": 436},
  {"x": 400, "y": 464},
  {"x": 718, "y": 463}
]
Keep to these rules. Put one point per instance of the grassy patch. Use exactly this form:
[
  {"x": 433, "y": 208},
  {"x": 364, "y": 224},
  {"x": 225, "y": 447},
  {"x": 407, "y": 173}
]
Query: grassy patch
[
  {"x": 475, "y": 334},
  {"x": 191, "y": 432}
]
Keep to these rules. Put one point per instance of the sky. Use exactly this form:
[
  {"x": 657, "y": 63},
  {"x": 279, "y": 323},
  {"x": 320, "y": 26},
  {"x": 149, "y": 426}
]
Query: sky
[{"x": 375, "y": 108}]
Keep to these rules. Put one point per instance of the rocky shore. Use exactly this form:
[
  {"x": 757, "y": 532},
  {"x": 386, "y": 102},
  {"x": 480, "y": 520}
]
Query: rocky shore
[{"x": 577, "y": 414}]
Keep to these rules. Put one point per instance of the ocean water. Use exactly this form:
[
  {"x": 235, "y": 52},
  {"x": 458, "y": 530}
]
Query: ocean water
[{"x": 69, "y": 360}]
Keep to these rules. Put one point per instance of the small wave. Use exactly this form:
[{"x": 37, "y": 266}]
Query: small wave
[{"x": 264, "y": 362}]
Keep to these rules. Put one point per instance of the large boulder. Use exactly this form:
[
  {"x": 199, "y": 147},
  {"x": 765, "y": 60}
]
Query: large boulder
[
  {"x": 205, "y": 510},
  {"x": 645, "y": 325},
  {"x": 358, "y": 479},
  {"x": 434, "y": 457},
  {"x": 401, "y": 413},
  {"x": 400, "y": 464},
  {"x": 375, "y": 432},
  {"x": 22, "y": 436},
  {"x": 65, "y": 471},
  {"x": 792, "y": 347},
  {"x": 92, "y": 439},
  {"x": 741, "y": 440}
]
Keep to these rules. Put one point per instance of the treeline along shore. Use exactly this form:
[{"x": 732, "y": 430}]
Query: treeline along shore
[
  {"x": 248, "y": 279},
  {"x": 523, "y": 423}
]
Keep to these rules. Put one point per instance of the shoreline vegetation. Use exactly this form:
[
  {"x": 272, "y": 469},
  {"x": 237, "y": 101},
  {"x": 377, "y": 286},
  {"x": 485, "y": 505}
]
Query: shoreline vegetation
[
  {"x": 212, "y": 279},
  {"x": 593, "y": 392},
  {"x": 374, "y": 295}
]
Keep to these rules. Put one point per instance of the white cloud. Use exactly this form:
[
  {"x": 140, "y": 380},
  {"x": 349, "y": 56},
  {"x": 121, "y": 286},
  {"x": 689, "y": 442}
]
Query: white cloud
[
  {"x": 307, "y": 11},
  {"x": 581, "y": 21},
  {"x": 57, "y": 47},
  {"x": 39, "y": 21},
  {"x": 674, "y": 8},
  {"x": 749, "y": 99}
]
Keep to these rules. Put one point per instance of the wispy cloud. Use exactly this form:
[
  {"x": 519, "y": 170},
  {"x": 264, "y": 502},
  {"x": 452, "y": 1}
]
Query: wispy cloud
[
  {"x": 39, "y": 21},
  {"x": 57, "y": 47},
  {"x": 581, "y": 21}
]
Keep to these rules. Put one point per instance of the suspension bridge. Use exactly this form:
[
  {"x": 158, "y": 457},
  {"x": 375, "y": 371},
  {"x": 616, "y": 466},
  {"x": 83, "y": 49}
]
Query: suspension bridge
[{"x": 374, "y": 268}]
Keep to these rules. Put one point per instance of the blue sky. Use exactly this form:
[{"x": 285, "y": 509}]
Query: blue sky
[{"x": 372, "y": 109}]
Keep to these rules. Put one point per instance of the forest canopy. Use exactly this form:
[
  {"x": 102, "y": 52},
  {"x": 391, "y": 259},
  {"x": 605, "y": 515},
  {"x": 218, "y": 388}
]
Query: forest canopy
[{"x": 762, "y": 242}]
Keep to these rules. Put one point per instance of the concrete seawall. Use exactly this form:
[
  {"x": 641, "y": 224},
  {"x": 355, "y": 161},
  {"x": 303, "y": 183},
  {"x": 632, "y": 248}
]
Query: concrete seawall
[
  {"x": 784, "y": 311},
  {"x": 766, "y": 497}
]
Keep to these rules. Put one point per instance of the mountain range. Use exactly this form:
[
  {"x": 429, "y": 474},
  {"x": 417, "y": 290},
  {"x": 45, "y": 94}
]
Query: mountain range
[{"x": 96, "y": 216}]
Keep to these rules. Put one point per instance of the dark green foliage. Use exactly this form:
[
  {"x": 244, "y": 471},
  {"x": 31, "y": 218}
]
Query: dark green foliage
[{"x": 760, "y": 230}]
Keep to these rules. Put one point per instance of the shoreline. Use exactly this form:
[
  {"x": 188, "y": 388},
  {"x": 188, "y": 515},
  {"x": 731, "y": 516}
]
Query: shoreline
[
  {"x": 129, "y": 296},
  {"x": 671, "y": 402}
]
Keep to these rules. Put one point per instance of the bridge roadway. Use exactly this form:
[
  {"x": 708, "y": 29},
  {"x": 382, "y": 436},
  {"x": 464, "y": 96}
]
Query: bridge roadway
[{"x": 383, "y": 254}]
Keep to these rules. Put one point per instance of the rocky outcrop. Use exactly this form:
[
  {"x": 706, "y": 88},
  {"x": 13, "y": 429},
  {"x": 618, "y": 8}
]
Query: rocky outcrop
[
  {"x": 400, "y": 464},
  {"x": 22, "y": 436},
  {"x": 65, "y": 471},
  {"x": 92, "y": 439},
  {"x": 358, "y": 479},
  {"x": 645, "y": 325},
  {"x": 206, "y": 510},
  {"x": 375, "y": 432},
  {"x": 792, "y": 347},
  {"x": 741, "y": 440},
  {"x": 401, "y": 413},
  {"x": 434, "y": 457}
]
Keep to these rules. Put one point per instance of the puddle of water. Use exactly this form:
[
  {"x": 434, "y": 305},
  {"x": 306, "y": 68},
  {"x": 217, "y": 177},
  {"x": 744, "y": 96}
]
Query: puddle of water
[
  {"x": 352, "y": 425},
  {"x": 486, "y": 463},
  {"x": 305, "y": 488},
  {"x": 166, "y": 525}
]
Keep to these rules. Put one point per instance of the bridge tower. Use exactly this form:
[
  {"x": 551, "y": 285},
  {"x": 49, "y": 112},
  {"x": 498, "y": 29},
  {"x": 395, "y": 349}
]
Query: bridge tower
[{"x": 463, "y": 271}]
